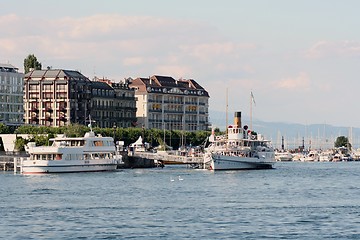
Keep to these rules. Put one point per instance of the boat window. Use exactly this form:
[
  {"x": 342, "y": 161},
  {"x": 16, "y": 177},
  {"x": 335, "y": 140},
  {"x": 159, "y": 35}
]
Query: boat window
[{"x": 98, "y": 143}]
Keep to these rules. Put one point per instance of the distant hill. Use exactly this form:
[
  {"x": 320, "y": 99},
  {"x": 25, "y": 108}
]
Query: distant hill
[{"x": 314, "y": 135}]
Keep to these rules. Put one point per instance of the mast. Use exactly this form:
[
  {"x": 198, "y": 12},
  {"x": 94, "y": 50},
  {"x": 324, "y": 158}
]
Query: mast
[
  {"x": 227, "y": 108},
  {"x": 252, "y": 99}
]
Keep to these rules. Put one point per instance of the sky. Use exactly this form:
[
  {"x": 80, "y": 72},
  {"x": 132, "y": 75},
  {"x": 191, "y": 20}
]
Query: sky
[{"x": 300, "y": 59}]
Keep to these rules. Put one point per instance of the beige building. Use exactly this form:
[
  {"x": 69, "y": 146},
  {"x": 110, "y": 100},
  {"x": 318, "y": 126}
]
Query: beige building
[
  {"x": 166, "y": 103},
  {"x": 11, "y": 95}
]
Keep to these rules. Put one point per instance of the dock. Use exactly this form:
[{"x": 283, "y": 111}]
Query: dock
[
  {"x": 169, "y": 158},
  {"x": 10, "y": 163}
]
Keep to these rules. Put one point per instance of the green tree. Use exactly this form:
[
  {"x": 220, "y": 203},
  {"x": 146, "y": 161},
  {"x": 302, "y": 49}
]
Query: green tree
[
  {"x": 20, "y": 144},
  {"x": 76, "y": 130},
  {"x": 342, "y": 141},
  {"x": 4, "y": 129},
  {"x": 31, "y": 62}
]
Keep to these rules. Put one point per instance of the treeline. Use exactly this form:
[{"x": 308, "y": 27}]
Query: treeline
[{"x": 155, "y": 137}]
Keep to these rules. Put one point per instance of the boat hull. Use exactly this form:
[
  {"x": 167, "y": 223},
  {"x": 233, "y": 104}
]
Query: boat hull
[
  {"x": 73, "y": 167},
  {"x": 219, "y": 162}
]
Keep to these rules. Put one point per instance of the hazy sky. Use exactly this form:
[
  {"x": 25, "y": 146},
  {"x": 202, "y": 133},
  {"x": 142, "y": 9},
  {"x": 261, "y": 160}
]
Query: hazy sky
[{"x": 301, "y": 59}]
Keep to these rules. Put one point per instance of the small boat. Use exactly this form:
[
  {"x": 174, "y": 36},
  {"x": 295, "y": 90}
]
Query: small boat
[
  {"x": 283, "y": 156},
  {"x": 325, "y": 156},
  {"x": 90, "y": 153},
  {"x": 239, "y": 149},
  {"x": 312, "y": 156}
]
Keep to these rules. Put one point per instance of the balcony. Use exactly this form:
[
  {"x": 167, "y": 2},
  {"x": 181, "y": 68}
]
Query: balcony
[
  {"x": 155, "y": 100},
  {"x": 191, "y": 112},
  {"x": 155, "y": 110},
  {"x": 174, "y": 111}
]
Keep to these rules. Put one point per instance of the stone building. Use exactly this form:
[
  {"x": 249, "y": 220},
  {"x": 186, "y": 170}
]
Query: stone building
[
  {"x": 11, "y": 95},
  {"x": 166, "y": 103},
  {"x": 61, "y": 97},
  {"x": 125, "y": 104},
  {"x": 56, "y": 97},
  {"x": 112, "y": 104}
]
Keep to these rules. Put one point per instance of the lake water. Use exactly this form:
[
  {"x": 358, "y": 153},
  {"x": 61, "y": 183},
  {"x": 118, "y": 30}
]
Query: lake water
[{"x": 294, "y": 201}]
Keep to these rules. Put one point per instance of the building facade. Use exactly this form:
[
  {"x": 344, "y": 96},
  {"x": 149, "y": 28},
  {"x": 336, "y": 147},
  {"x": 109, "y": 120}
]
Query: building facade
[
  {"x": 56, "y": 97},
  {"x": 62, "y": 97},
  {"x": 11, "y": 95},
  {"x": 112, "y": 104},
  {"x": 125, "y": 104},
  {"x": 166, "y": 103}
]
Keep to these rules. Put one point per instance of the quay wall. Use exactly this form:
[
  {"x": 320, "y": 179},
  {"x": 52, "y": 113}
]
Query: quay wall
[{"x": 137, "y": 162}]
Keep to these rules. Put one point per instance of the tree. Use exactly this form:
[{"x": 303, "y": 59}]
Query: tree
[
  {"x": 342, "y": 141},
  {"x": 31, "y": 62},
  {"x": 4, "y": 129}
]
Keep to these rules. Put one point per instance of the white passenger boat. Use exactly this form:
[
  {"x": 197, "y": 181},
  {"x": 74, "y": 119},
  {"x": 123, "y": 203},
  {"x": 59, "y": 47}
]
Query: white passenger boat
[
  {"x": 240, "y": 149},
  {"x": 90, "y": 153}
]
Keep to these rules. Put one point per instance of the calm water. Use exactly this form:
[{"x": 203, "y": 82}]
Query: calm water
[{"x": 293, "y": 201}]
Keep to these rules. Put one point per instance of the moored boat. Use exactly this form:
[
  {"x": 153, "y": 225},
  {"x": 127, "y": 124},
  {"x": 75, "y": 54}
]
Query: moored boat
[
  {"x": 90, "y": 153},
  {"x": 312, "y": 156},
  {"x": 283, "y": 156},
  {"x": 239, "y": 149}
]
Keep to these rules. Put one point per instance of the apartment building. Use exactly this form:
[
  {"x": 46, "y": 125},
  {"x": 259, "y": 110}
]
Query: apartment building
[
  {"x": 166, "y": 103},
  {"x": 56, "y": 97},
  {"x": 11, "y": 95},
  {"x": 113, "y": 104}
]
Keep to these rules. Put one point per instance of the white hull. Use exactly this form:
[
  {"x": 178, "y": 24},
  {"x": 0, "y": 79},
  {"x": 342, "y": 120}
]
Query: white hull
[
  {"x": 220, "y": 162},
  {"x": 41, "y": 167},
  {"x": 283, "y": 157}
]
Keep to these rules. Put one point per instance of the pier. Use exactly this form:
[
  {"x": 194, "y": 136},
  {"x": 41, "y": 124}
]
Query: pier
[{"x": 169, "y": 158}]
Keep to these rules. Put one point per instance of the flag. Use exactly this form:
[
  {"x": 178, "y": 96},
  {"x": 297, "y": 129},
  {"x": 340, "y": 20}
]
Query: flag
[{"x": 252, "y": 98}]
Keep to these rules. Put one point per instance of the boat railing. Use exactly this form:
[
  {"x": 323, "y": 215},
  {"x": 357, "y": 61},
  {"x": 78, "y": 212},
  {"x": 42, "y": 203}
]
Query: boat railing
[{"x": 169, "y": 157}]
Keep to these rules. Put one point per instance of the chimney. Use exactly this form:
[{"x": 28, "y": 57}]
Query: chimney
[{"x": 237, "y": 119}]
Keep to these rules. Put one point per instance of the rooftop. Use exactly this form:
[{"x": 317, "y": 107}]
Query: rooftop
[
  {"x": 4, "y": 67},
  {"x": 55, "y": 74}
]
